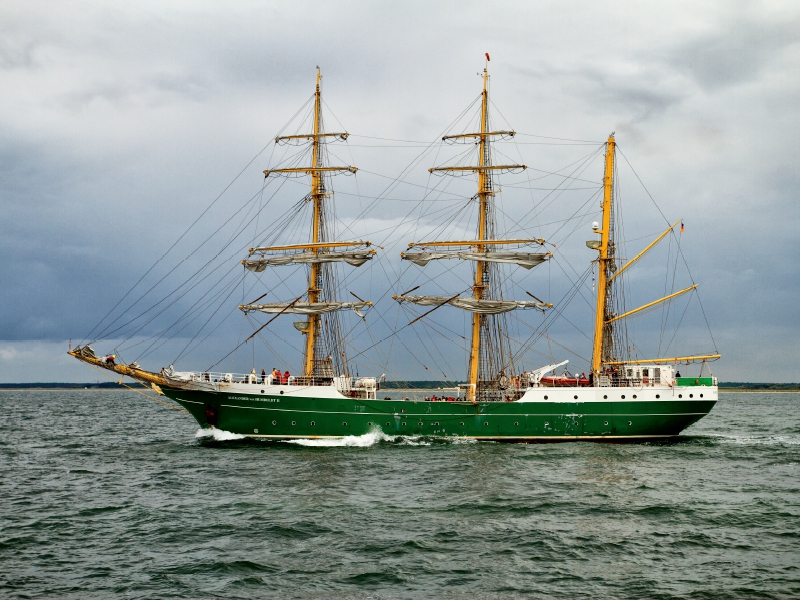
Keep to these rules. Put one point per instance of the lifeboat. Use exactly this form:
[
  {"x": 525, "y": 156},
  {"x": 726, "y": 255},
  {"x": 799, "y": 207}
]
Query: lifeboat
[{"x": 564, "y": 381}]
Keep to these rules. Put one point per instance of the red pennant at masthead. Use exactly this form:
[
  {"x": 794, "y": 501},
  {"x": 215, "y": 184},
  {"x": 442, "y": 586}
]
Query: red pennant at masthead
[{"x": 487, "y": 56}]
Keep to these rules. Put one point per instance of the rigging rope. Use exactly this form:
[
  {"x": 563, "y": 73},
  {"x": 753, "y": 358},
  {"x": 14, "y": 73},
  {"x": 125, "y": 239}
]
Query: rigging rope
[{"x": 173, "y": 407}]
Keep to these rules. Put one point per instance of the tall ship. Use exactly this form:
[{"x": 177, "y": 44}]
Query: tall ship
[{"x": 623, "y": 398}]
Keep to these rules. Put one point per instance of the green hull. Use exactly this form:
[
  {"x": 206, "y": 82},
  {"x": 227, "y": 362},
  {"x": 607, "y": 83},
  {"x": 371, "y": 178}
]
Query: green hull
[{"x": 298, "y": 417}]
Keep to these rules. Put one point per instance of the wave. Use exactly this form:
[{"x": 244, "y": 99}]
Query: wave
[
  {"x": 366, "y": 440},
  {"x": 375, "y": 437},
  {"x": 218, "y": 435},
  {"x": 359, "y": 441},
  {"x": 755, "y": 440}
]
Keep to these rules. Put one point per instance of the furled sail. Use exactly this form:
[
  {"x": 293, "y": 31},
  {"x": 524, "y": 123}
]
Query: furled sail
[
  {"x": 305, "y": 308},
  {"x": 355, "y": 259},
  {"x": 527, "y": 260},
  {"x": 486, "y": 307}
]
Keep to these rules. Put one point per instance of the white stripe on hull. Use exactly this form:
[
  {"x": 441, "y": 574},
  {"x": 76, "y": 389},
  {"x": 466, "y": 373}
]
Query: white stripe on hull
[
  {"x": 540, "y": 395},
  {"x": 473, "y": 437},
  {"x": 488, "y": 414}
]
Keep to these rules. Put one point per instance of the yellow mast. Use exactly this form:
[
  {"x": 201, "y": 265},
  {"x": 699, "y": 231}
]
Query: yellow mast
[
  {"x": 480, "y": 286},
  {"x": 317, "y": 193},
  {"x": 485, "y": 238},
  {"x": 602, "y": 328}
]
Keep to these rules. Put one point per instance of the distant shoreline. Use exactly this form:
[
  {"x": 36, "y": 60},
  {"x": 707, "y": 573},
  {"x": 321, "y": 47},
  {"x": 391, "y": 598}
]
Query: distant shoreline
[
  {"x": 759, "y": 390},
  {"x": 410, "y": 386}
]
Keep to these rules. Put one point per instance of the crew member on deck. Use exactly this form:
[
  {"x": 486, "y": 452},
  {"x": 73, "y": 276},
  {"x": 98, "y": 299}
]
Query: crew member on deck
[
  {"x": 286, "y": 378},
  {"x": 263, "y": 376}
]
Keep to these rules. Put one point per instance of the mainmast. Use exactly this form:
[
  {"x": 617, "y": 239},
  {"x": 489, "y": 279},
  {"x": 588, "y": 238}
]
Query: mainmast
[
  {"x": 487, "y": 362},
  {"x": 317, "y": 194},
  {"x": 603, "y": 342},
  {"x": 481, "y": 279}
]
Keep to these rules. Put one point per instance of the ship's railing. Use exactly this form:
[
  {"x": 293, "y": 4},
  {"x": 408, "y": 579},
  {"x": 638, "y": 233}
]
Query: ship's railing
[
  {"x": 611, "y": 381},
  {"x": 656, "y": 381},
  {"x": 354, "y": 386},
  {"x": 251, "y": 378},
  {"x": 632, "y": 382}
]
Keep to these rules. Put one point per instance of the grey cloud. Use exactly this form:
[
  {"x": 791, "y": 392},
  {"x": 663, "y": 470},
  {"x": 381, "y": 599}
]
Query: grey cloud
[
  {"x": 157, "y": 90},
  {"x": 16, "y": 54},
  {"x": 635, "y": 96},
  {"x": 638, "y": 92},
  {"x": 735, "y": 51}
]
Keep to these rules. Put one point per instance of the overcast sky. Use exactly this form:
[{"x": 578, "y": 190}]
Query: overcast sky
[{"x": 123, "y": 122}]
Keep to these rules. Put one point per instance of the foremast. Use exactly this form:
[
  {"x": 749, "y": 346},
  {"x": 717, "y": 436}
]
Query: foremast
[
  {"x": 317, "y": 196},
  {"x": 318, "y": 359}
]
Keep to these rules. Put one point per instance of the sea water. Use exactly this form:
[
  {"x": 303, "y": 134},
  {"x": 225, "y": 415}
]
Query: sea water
[{"x": 107, "y": 494}]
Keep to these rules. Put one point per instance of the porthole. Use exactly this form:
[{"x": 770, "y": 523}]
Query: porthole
[
  {"x": 369, "y": 423},
  {"x": 420, "y": 423},
  {"x": 294, "y": 422},
  {"x": 388, "y": 423},
  {"x": 274, "y": 422},
  {"x": 344, "y": 424},
  {"x": 605, "y": 397},
  {"x": 576, "y": 397},
  {"x": 545, "y": 397},
  {"x": 486, "y": 422},
  {"x": 462, "y": 423},
  {"x": 623, "y": 396},
  {"x": 436, "y": 424},
  {"x": 701, "y": 395},
  {"x": 281, "y": 391},
  {"x": 691, "y": 395},
  {"x": 605, "y": 422},
  {"x": 516, "y": 422},
  {"x": 255, "y": 430},
  {"x": 680, "y": 395},
  {"x": 313, "y": 423},
  {"x": 262, "y": 391},
  {"x": 630, "y": 423},
  {"x": 634, "y": 396},
  {"x": 404, "y": 423},
  {"x": 546, "y": 423},
  {"x": 658, "y": 396}
]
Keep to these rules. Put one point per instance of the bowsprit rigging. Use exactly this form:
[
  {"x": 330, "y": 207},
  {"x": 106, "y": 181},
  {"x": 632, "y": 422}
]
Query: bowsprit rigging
[{"x": 624, "y": 397}]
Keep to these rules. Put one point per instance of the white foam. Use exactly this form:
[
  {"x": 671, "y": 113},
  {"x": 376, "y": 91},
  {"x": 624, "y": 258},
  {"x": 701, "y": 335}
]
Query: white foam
[
  {"x": 375, "y": 436},
  {"x": 359, "y": 441},
  {"x": 767, "y": 440},
  {"x": 355, "y": 441},
  {"x": 412, "y": 440},
  {"x": 219, "y": 435},
  {"x": 462, "y": 440}
]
